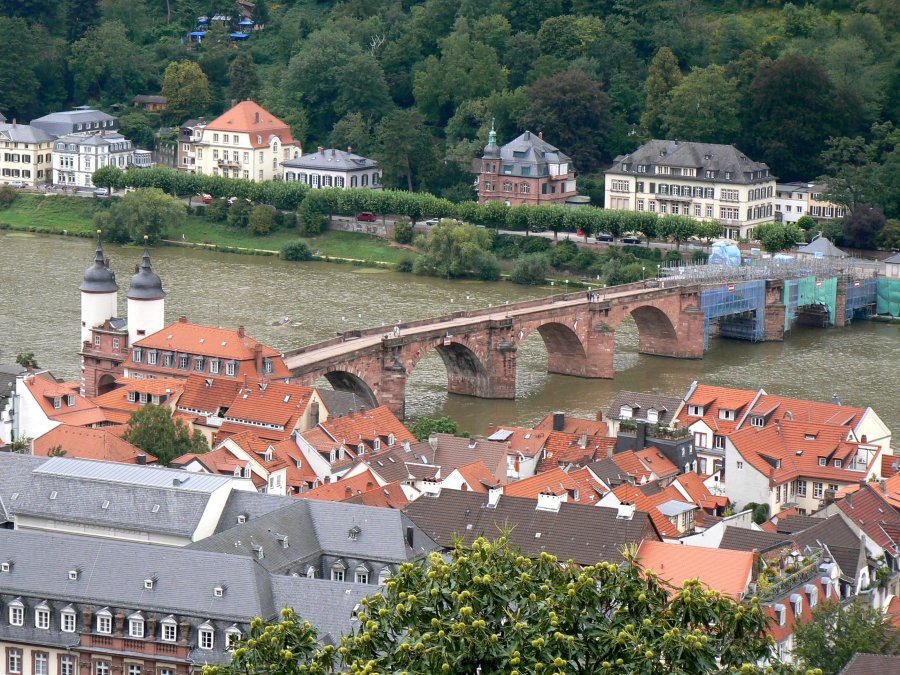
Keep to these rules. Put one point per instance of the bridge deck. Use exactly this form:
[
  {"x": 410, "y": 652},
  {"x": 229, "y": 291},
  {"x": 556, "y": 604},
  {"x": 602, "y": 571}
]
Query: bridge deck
[{"x": 329, "y": 349}]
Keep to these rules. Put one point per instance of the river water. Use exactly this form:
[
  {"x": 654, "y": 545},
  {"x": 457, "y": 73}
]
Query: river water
[{"x": 39, "y": 312}]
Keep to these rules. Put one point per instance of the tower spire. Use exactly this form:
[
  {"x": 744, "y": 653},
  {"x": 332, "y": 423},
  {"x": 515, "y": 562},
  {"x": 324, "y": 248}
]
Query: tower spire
[{"x": 492, "y": 135}]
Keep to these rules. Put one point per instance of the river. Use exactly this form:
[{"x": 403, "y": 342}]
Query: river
[{"x": 39, "y": 312}]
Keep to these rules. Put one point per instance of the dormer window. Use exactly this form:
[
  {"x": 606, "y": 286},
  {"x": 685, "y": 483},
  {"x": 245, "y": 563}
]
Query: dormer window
[
  {"x": 391, "y": 440},
  {"x": 780, "y": 612},
  {"x": 151, "y": 357},
  {"x": 16, "y": 613},
  {"x": 353, "y": 533},
  {"x": 376, "y": 444},
  {"x": 136, "y": 354},
  {"x": 57, "y": 402},
  {"x": 148, "y": 583},
  {"x": 268, "y": 455},
  {"x": 232, "y": 636},
  {"x": 267, "y": 366},
  {"x": 199, "y": 363},
  {"x": 823, "y": 461},
  {"x": 132, "y": 396},
  {"x": 625, "y": 412},
  {"x": 67, "y": 621},
  {"x": 695, "y": 410},
  {"x": 725, "y": 414},
  {"x": 70, "y": 400},
  {"x": 169, "y": 630},
  {"x": 838, "y": 464},
  {"x": 136, "y": 625},
  {"x": 104, "y": 622},
  {"x": 337, "y": 571},
  {"x": 205, "y": 636},
  {"x": 42, "y": 616},
  {"x": 653, "y": 415},
  {"x": 757, "y": 421}
]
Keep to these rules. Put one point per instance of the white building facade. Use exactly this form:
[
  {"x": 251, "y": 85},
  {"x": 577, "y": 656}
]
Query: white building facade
[
  {"x": 77, "y": 156},
  {"x": 327, "y": 168},
  {"x": 25, "y": 154},
  {"x": 705, "y": 181}
]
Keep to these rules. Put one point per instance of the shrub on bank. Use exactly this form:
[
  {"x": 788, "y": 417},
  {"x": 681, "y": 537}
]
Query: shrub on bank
[{"x": 296, "y": 251}]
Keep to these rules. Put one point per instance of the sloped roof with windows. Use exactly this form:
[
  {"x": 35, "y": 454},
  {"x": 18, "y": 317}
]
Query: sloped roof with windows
[
  {"x": 251, "y": 118},
  {"x": 641, "y": 402},
  {"x": 713, "y": 399},
  {"x": 45, "y": 388},
  {"x": 720, "y": 159},
  {"x": 533, "y": 152},
  {"x": 771, "y": 407},
  {"x": 268, "y": 403}
]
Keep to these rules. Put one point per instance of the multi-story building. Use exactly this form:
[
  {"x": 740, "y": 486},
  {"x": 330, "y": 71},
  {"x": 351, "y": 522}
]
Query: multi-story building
[
  {"x": 80, "y": 120},
  {"x": 245, "y": 142},
  {"x": 327, "y": 168},
  {"x": 188, "y": 137},
  {"x": 76, "y": 156},
  {"x": 705, "y": 181},
  {"x": 25, "y": 154},
  {"x": 527, "y": 170},
  {"x": 820, "y": 208},
  {"x": 795, "y": 200}
]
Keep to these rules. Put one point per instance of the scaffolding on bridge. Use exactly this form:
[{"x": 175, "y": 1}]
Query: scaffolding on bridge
[
  {"x": 807, "y": 292},
  {"x": 739, "y": 309},
  {"x": 862, "y": 297},
  {"x": 766, "y": 268}
]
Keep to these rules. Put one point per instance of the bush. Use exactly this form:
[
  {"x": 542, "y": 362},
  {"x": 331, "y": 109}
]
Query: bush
[
  {"x": 506, "y": 246},
  {"x": 7, "y": 194},
  {"x": 405, "y": 264},
  {"x": 403, "y": 232},
  {"x": 310, "y": 220},
  {"x": 644, "y": 252},
  {"x": 530, "y": 270},
  {"x": 217, "y": 210},
  {"x": 262, "y": 220},
  {"x": 701, "y": 256},
  {"x": 296, "y": 250},
  {"x": 563, "y": 253},
  {"x": 535, "y": 245},
  {"x": 586, "y": 259},
  {"x": 673, "y": 256},
  {"x": 239, "y": 214}
]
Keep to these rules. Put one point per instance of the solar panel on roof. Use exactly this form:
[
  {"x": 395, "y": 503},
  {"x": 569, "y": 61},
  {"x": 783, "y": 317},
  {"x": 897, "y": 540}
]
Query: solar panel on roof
[{"x": 500, "y": 435}]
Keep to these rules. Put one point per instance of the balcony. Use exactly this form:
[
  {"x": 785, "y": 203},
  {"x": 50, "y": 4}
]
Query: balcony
[
  {"x": 773, "y": 583},
  {"x": 134, "y": 646},
  {"x": 228, "y": 163}
]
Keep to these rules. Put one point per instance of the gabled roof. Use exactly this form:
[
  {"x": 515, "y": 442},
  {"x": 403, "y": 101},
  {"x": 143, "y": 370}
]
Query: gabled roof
[
  {"x": 871, "y": 512},
  {"x": 573, "y": 425},
  {"x": 650, "y": 503},
  {"x": 390, "y": 496},
  {"x": 773, "y": 407},
  {"x": 477, "y": 476},
  {"x": 44, "y": 387},
  {"x": 577, "y": 487},
  {"x": 641, "y": 402},
  {"x": 90, "y": 444},
  {"x": 208, "y": 394},
  {"x": 713, "y": 399},
  {"x": 585, "y": 534},
  {"x": 822, "y": 246},
  {"x": 279, "y": 404},
  {"x": 344, "y": 488},
  {"x": 250, "y": 117},
  {"x": 527, "y": 442},
  {"x": 700, "y": 156},
  {"x": 845, "y": 546},
  {"x": 330, "y": 159},
  {"x": 893, "y": 260},
  {"x": 655, "y": 461},
  {"x": 718, "y": 569},
  {"x": 562, "y": 449},
  {"x": 364, "y": 425},
  {"x": 745, "y": 539}
]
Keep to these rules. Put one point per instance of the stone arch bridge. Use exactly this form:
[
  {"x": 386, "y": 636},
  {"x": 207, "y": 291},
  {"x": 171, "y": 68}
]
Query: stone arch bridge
[{"x": 479, "y": 347}]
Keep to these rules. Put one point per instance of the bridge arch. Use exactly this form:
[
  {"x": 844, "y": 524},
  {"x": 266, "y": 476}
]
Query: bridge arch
[
  {"x": 466, "y": 372},
  {"x": 566, "y": 353},
  {"x": 657, "y": 331},
  {"x": 343, "y": 380}
]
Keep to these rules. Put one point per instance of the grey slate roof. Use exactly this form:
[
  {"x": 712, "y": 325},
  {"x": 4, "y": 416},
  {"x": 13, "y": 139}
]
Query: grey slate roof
[
  {"x": 609, "y": 472},
  {"x": 744, "y": 539},
  {"x": 328, "y": 605},
  {"x": 791, "y": 524},
  {"x": 250, "y": 505},
  {"x": 822, "y": 245},
  {"x": 315, "y": 527},
  {"x": 700, "y": 156},
  {"x": 531, "y": 151},
  {"x": 24, "y": 133},
  {"x": 834, "y": 532},
  {"x": 872, "y": 664},
  {"x": 341, "y": 403},
  {"x": 15, "y": 478},
  {"x": 585, "y": 534},
  {"x": 8, "y": 375},
  {"x": 62, "y": 123},
  {"x": 331, "y": 160},
  {"x": 113, "y": 573},
  {"x": 641, "y": 402},
  {"x": 98, "y": 139},
  {"x": 894, "y": 259},
  {"x": 146, "y": 284},
  {"x": 99, "y": 278}
]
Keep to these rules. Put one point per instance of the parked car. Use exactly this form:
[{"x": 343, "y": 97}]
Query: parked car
[
  {"x": 632, "y": 239},
  {"x": 18, "y": 183},
  {"x": 206, "y": 199},
  {"x": 366, "y": 216},
  {"x": 101, "y": 192},
  {"x": 433, "y": 221},
  {"x": 603, "y": 236}
]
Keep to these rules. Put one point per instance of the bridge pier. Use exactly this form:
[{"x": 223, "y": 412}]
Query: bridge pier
[
  {"x": 840, "y": 303},
  {"x": 774, "y": 311}
]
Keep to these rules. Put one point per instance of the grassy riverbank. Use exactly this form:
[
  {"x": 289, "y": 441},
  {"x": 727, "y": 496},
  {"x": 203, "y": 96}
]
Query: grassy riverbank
[{"x": 62, "y": 214}]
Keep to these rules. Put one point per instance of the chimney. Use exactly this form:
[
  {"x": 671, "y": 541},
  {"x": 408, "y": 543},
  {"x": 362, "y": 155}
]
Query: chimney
[
  {"x": 559, "y": 421},
  {"x": 141, "y": 458},
  {"x": 625, "y": 511},
  {"x": 349, "y": 149},
  {"x": 348, "y": 491},
  {"x": 472, "y": 443},
  {"x": 641, "y": 435},
  {"x": 433, "y": 442},
  {"x": 182, "y": 319},
  {"x": 14, "y": 122},
  {"x": 257, "y": 117},
  {"x": 882, "y": 483},
  {"x": 541, "y": 135},
  {"x": 258, "y": 357},
  {"x": 582, "y": 441},
  {"x": 609, "y": 452},
  {"x": 409, "y": 535},
  {"x": 494, "y": 494},
  {"x": 332, "y": 152},
  {"x": 599, "y": 416},
  {"x": 527, "y": 135},
  {"x": 240, "y": 331},
  {"x": 321, "y": 150},
  {"x": 849, "y": 499},
  {"x": 548, "y": 502}
]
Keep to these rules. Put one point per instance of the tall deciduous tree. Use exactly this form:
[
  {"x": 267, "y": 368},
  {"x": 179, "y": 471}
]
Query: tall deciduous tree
[
  {"x": 490, "y": 609},
  {"x": 572, "y": 111},
  {"x": 404, "y": 148},
  {"x": 146, "y": 212},
  {"x": 152, "y": 429},
  {"x": 353, "y": 131},
  {"x": 703, "y": 107},
  {"x": 795, "y": 112},
  {"x": 243, "y": 79},
  {"x": 663, "y": 75},
  {"x": 862, "y": 226},
  {"x": 18, "y": 57},
  {"x": 106, "y": 63},
  {"x": 187, "y": 88},
  {"x": 361, "y": 87}
]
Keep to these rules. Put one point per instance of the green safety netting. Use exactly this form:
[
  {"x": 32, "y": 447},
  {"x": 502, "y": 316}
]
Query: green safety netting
[
  {"x": 809, "y": 291},
  {"x": 888, "y": 296}
]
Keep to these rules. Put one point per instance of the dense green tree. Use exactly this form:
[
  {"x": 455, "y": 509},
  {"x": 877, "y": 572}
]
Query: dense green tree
[
  {"x": 529, "y": 270},
  {"x": 837, "y": 632},
  {"x": 859, "y": 80},
  {"x": 569, "y": 36},
  {"x": 80, "y": 15},
  {"x": 263, "y": 220},
  {"x": 862, "y": 226},
  {"x": 403, "y": 147},
  {"x": 522, "y": 50},
  {"x": 18, "y": 58},
  {"x": 243, "y": 79},
  {"x": 424, "y": 427},
  {"x": 466, "y": 69},
  {"x": 490, "y": 609},
  {"x": 361, "y": 88},
  {"x": 153, "y": 430},
  {"x": 139, "y": 126},
  {"x": 403, "y": 232},
  {"x": 187, "y": 88},
  {"x": 147, "y": 212},
  {"x": 573, "y": 112},
  {"x": 663, "y": 75},
  {"x": 239, "y": 214},
  {"x": 453, "y": 251},
  {"x": 106, "y": 63},
  {"x": 703, "y": 107},
  {"x": 296, "y": 251},
  {"x": 26, "y": 360},
  {"x": 311, "y": 216},
  {"x": 353, "y": 130},
  {"x": 795, "y": 112},
  {"x": 776, "y": 237},
  {"x": 261, "y": 12},
  {"x": 110, "y": 177},
  {"x": 889, "y": 237}
]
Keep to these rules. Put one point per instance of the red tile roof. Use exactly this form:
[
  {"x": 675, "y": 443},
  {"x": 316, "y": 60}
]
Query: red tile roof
[
  {"x": 801, "y": 410},
  {"x": 874, "y": 515},
  {"x": 272, "y": 409},
  {"x": 714, "y": 399},
  {"x": 790, "y": 449},
  {"x": 477, "y": 476},
  {"x": 85, "y": 443},
  {"x": 344, "y": 488},
  {"x": 556, "y": 481},
  {"x": 719, "y": 569},
  {"x": 390, "y": 496},
  {"x": 250, "y": 117},
  {"x": 562, "y": 449},
  {"x": 44, "y": 387},
  {"x": 574, "y": 425},
  {"x": 209, "y": 341},
  {"x": 631, "y": 494},
  {"x": 656, "y": 462},
  {"x": 527, "y": 442},
  {"x": 208, "y": 394},
  {"x": 363, "y": 426}
]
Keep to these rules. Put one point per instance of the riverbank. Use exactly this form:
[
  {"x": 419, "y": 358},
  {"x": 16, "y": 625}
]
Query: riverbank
[{"x": 74, "y": 216}]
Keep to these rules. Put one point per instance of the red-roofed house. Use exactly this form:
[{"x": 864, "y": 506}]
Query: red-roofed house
[
  {"x": 574, "y": 450},
  {"x": 247, "y": 142},
  {"x": 791, "y": 463},
  {"x": 728, "y": 572},
  {"x": 579, "y": 486},
  {"x": 182, "y": 349},
  {"x": 272, "y": 410},
  {"x": 130, "y": 395},
  {"x": 43, "y": 404},
  {"x": 670, "y": 512},
  {"x": 474, "y": 476},
  {"x": 85, "y": 443}
]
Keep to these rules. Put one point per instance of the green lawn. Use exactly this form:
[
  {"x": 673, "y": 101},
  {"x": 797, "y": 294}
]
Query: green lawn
[{"x": 55, "y": 213}]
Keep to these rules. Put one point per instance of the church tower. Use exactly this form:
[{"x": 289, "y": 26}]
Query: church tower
[
  {"x": 99, "y": 294},
  {"x": 146, "y": 302}
]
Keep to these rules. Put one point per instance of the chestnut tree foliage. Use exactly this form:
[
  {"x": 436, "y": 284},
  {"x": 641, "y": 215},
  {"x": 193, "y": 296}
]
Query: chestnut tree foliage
[{"x": 490, "y": 609}]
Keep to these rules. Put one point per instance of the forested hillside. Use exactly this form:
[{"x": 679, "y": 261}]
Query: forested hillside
[{"x": 416, "y": 84}]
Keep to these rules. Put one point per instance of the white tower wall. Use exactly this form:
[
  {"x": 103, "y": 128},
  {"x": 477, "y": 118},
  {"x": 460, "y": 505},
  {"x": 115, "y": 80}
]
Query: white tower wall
[
  {"x": 145, "y": 317},
  {"x": 95, "y": 309}
]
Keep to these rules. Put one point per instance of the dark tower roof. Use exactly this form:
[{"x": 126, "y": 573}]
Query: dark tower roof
[
  {"x": 491, "y": 150},
  {"x": 146, "y": 284},
  {"x": 98, "y": 278}
]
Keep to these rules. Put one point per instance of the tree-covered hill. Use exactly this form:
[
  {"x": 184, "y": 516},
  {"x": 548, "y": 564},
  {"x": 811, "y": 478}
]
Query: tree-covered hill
[{"x": 416, "y": 84}]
